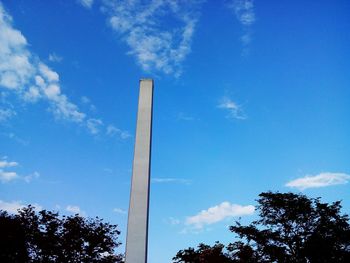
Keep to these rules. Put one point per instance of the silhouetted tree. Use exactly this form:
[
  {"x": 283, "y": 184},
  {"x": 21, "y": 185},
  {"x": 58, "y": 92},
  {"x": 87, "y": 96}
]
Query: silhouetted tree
[
  {"x": 203, "y": 254},
  {"x": 44, "y": 236},
  {"x": 291, "y": 228}
]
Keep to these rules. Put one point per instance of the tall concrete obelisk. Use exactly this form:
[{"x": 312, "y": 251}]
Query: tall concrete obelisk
[{"x": 137, "y": 234}]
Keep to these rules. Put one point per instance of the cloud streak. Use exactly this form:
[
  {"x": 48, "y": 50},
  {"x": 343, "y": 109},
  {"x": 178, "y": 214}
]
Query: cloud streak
[
  {"x": 55, "y": 58},
  {"x": 245, "y": 14},
  {"x": 113, "y": 131},
  {"x": 13, "y": 206},
  {"x": 320, "y": 180},
  {"x": 234, "y": 110},
  {"x": 120, "y": 211},
  {"x": 218, "y": 213},
  {"x": 244, "y": 10},
  {"x": 86, "y": 3},
  {"x": 4, "y": 163},
  {"x": 6, "y": 114},
  {"x": 171, "y": 180},
  {"x": 141, "y": 25},
  {"x": 74, "y": 209}
]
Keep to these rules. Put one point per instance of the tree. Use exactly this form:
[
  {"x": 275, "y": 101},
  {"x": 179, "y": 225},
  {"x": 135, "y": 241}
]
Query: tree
[
  {"x": 44, "y": 236},
  {"x": 203, "y": 254},
  {"x": 291, "y": 228}
]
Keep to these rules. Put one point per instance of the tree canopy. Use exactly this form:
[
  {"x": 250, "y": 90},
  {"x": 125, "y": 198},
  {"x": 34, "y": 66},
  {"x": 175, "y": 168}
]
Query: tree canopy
[
  {"x": 44, "y": 236},
  {"x": 291, "y": 228}
]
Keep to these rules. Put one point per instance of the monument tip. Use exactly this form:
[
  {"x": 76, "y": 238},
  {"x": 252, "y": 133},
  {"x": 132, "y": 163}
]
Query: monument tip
[{"x": 146, "y": 79}]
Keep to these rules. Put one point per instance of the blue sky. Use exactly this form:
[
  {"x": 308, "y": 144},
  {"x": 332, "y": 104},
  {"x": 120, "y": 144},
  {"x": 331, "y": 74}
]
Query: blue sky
[{"x": 250, "y": 96}]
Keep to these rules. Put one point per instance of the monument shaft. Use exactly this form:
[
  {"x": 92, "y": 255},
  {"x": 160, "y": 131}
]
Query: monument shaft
[{"x": 137, "y": 234}]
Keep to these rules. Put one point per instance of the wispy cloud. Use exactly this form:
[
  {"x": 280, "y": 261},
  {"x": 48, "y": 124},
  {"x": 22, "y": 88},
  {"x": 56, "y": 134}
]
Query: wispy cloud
[
  {"x": 244, "y": 10},
  {"x": 181, "y": 116},
  {"x": 4, "y": 163},
  {"x": 114, "y": 131},
  {"x": 24, "y": 74},
  {"x": 74, "y": 209},
  {"x": 171, "y": 180},
  {"x": 86, "y": 3},
  {"x": 55, "y": 58},
  {"x": 7, "y": 176},
  {"x": 319, "y": 180},
  {"x": 218, "y": 213},
  {"x": 6, "y": 114},
  {"x": 12, "y": 136},
  {"x": 234, "y": 110},
  {"x": 245, "y": 14},
  {"x": 31, "y": 177},
  {"x": 94, "y": 125},
  {"x": 172, "y": 221},
  {"x": 87, "y": 102},
  {"x": 156, "y": 46},
  {"x": 13, "y": 206},
  {"x": 120, "y": 211}
]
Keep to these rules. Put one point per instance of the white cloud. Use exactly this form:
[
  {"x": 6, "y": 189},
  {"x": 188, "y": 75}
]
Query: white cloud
[
  {"x": 155, "y": 45},
  {"x": 32, "y": 80},
  {"x": 85, "y": 100},
  {"x": 12, "y": 207},
  {"x": 171, "y": 180},
  {"x": 120, "y": 211},
  {"x": 94, "y": 125},
  {"x": 14, "y": 137},
  {"x": 319, "y": 180},
  {"x": 25, "y": 74},
  {"x": 62, "y": 108},
  {"x": 244, "y": 10},
  {"x": 15, "y": 68},
  {"x": 75, "y": 210},
  {"x": 218, "y": 213},
  {"x": 4, "y": 163},
  {"x": 52, "y": 91},
  {"x": 7, "y": 176},
  {"x": 49, "y": 74},
  {"x": 235, "y": 111},
  {"x": 32, "y": 95},
  {"x": 173, "y": 221},
  {"x": 181, "y": 116},
  {"x": 55, "y": 58},
  {"x": 246, "y": 39},
  {"x": 114, "y": 131},
  {"x": 31, "y": 177},
  {"x": 86, "y": 3},
  {"x": 6, "y": 114},
  {"x": 245, "y": 14}
]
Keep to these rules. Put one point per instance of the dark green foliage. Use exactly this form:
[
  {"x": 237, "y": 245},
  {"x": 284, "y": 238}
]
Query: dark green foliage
[
  {"x": 46, "y": 237},
  {"x": 291, "y": 228}
]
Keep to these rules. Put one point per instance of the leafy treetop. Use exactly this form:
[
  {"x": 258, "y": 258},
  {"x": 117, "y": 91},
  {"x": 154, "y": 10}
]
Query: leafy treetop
[{"x": 291, "y": 228}]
